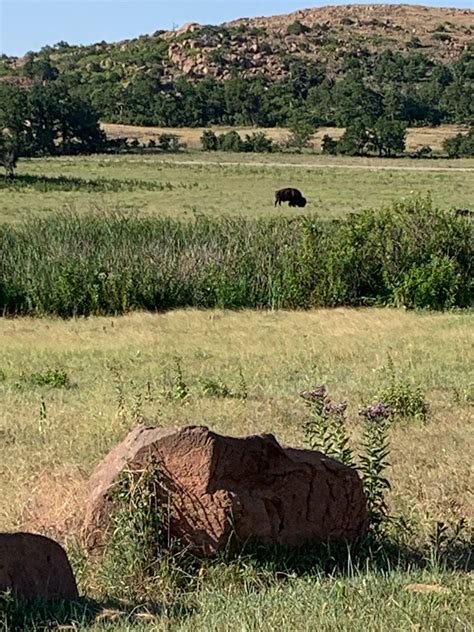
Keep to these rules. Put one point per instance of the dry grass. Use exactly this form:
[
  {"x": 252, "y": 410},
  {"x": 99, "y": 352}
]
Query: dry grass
[
  {"x": 416, "y": 136},
  {"x": 45, "y": 462}
]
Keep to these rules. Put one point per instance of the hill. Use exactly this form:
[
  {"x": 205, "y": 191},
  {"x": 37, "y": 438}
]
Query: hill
[{"x": 415, "y": 60}]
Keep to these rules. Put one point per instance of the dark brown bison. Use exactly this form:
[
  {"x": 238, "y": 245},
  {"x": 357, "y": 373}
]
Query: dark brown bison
[{"x": 292, "y": 196}]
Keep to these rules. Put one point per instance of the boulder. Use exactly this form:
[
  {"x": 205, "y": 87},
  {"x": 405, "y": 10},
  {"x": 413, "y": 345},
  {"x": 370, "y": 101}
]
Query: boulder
[
  {"x": 221, "y": 488},
  {"x": 35, "y": 567}
]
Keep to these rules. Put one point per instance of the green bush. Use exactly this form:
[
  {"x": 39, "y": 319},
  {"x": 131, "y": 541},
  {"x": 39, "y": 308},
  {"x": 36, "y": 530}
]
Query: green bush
[
  {"x": 209, "y": 140},
  {"x": 435, "y": 283},
  {"x": 404, "y": 399},
  {"x": 68, "y": 265},
  {"x": 297, "y": 28},
  {"x": 230, "y": 141},
  {"x": 461, "y": 145}
]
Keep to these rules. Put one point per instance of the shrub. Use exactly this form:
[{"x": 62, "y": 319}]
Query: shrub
[
  {"x": 56, "y": 378},
  {"x": 170, "y": 143},
  {"x": 461, "y": 145},
  {"x": 403, "y": 398},
  {"x": 209, "y": 140},
  {"x": 258, "y": 142},
  {"x": 297, "y": 28},
  {"x": 230, "y": 141},
  {"x": 423, "y": 152},
  {"x": 435, "y": 283},
  {"x": 410, "y": 253},
  {"x": 328, "y": 145}
]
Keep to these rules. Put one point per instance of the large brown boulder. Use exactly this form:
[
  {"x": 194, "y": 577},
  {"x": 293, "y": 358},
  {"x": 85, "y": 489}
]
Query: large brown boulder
[
  {"x": 35, "y": 567},
  {"x": 218, "y": 487}
]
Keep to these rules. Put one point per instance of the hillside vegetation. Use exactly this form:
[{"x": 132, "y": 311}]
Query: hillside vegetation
[{"x": 328, "y": 66}]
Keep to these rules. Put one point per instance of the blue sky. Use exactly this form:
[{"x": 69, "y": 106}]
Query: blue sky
[{"x": 30, "y": 24}]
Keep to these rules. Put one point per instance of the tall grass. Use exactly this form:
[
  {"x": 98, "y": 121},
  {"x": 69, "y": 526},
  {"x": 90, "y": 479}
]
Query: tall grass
[{"x": 410, "y": 254}]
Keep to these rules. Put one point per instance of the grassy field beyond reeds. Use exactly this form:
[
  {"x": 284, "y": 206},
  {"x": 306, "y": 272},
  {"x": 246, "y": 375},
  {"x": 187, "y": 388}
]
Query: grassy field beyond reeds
[{"x": 183, "y": 185}]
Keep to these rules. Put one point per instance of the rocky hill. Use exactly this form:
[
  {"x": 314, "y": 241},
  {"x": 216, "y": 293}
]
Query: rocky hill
[
  {"x": 331, "y": 65},
  {"x": 266, "y": 45},
  {"x": 262, "y": 45}
]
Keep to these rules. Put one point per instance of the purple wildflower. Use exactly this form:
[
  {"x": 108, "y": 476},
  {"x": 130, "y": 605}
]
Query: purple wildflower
[
  {"x": 375, "y": 412},
  {"x": 317, "y": 394}
]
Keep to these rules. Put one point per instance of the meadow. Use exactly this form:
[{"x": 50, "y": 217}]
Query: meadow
[
  {"x": 183, "y": 185},
  {"x": 416, "y": 136},
  {"x": 71, "y": 388},
  {"x": 101, "y": 376}
]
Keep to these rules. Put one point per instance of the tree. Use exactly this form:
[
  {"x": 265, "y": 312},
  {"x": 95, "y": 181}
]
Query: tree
[
  {"x": 301, "y": 132},
  {"x": 8, "y": 154},
  {"x": 209, "y": 140},
  {"x": 48, "y": 119},
  {"x": 328, "y": 145},
  {"x": 355, "y": 139},
  {"x": 387, "y": 137},
  {"x": 230, "y": 141}
]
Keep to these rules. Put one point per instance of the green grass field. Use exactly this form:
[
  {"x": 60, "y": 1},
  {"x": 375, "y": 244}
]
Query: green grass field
[
  {"x": 53, "y": 437},
  {"x": 182, "y": 185}
]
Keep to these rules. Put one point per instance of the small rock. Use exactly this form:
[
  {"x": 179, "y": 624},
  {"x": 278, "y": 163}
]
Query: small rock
[{"x": 35, "y": 567}]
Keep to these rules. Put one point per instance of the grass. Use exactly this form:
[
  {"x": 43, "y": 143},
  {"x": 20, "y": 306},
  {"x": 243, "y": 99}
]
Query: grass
[
  {"x": 411, "y": 254},
  {"x": 162, "y": 186},
  {"x": 52, "y": 437}
]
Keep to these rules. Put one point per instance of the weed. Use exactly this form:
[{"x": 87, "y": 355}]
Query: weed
[
  {"x": 215, "y": 388},
  {"x": 55, "y": 378},
  {"x": 119, "y": 390},
  {"x": 446, "y": 539},
  {"x": 180, "y": 388},
  {"x": 42, "y": 418},
  {"x": 373, "y": 463},
  {"x": 325, "y": 430},
  {"x": 404, "y": 399}
]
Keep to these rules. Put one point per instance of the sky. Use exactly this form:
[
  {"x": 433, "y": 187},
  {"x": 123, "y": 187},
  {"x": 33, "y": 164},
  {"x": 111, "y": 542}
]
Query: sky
[{"x": 30, "y": 24}]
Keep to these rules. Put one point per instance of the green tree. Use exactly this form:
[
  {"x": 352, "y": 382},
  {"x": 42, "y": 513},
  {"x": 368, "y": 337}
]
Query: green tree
[
  {"x": 355, "y": 139},
  {"x": 230, "y": 141},
  {"x": 209, "y": 140},
  {"x": 8, "y": 154},
  {"x": 387, "y": 137}
]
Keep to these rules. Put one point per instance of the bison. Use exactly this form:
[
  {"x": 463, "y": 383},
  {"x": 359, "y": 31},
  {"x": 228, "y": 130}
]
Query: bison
[{"x": 292, "y": 196}]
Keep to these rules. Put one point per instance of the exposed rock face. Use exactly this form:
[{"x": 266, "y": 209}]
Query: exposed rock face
[
  {"x": 221, "y": 487},
  {"x": 35, "y": 567}
]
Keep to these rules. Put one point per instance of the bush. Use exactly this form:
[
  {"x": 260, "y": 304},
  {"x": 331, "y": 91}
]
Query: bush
[
  {"x": 69, "y": 265},
  {"x": 297, "y": 28},
  {"x": 230, "y": 141},
  {"x": 423, "y": 152},
  {"x": 209, "y": 140},
  {"x": 328, "y": 145},
  {"x": 258, "y": 142},
  {"x": 170, "y": 143},
  {"x": 434, "y": 284},
  {"x": 403, "y": 398},
  {"x": 461, "y": 145}
]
